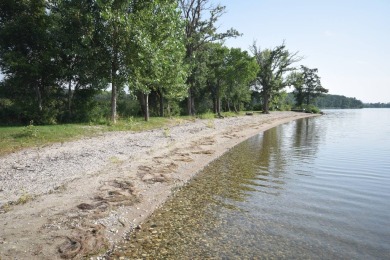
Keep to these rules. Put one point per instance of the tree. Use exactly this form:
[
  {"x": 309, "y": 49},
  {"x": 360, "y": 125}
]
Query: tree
[
  {"x": 114, "y": 41},
  {"x": 158, "y": 65},
  {"x": 199, "y": 31},
  {"x": 241, "y": 71},
  {"x": 216, "y": 76},
  {"x": 26, "y": 59},
  {"x": 77, "y": 30},
  {"x": 307, "y": 85},
  {"x": 338, "y": 101},
  {"x": 296, "y": 79},
  {"x": 273, "y": 65}
]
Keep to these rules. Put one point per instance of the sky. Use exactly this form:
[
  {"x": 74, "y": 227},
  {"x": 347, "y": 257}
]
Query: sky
[{"x": 348, "y": 41}]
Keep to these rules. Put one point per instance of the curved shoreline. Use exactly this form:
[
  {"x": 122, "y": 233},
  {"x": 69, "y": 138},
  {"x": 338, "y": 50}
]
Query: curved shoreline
[{"x": 89, "y": 194}]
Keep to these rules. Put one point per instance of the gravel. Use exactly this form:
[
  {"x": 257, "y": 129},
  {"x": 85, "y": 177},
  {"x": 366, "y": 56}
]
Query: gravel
[{"x": 42, "y": 170}]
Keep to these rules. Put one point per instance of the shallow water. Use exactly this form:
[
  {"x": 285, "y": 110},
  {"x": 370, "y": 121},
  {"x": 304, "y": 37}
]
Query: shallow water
[{"x": 312, "y": 188}]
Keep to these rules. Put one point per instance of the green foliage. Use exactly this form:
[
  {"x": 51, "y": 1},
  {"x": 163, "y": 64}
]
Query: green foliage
[
  {"x": 257, "y": 107},
  {"x": 280, "y": 102},
  {"x": 307, "y": 86},
  {"x": 199, "y": 32},
  {"x": 274, "y": 64},
  {"x": 26, "y": 59},
  {"x": 376, "y": 105},
  {"x": 207, "y": 115},
  {"x": 58, "y": 57},
  {"x": 159, "y": 42},
  {"x": 30, "y": 130},
  {"x": 311, "y": 109},
  {"x": 337, "y": 101},
  {"x": 167, "y": 132},
  {"x": 241, "y": 71}
]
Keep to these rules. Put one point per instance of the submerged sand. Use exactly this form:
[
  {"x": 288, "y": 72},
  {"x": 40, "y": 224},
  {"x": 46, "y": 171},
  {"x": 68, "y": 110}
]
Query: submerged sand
[{"x": 81, "y": 198}]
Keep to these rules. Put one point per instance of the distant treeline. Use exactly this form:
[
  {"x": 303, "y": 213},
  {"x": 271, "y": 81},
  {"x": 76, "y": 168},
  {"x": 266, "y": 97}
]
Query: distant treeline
[
  {"x": 377, "y": 105},
  {"x": 338, "y": 101}
]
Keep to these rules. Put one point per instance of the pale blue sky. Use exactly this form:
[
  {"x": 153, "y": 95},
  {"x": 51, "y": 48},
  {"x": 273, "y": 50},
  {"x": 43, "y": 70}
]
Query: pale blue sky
[{"x": 347, "y": 40}]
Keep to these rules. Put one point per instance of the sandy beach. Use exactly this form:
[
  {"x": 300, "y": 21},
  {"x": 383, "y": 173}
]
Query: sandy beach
[{"x": 79, "y": 199}]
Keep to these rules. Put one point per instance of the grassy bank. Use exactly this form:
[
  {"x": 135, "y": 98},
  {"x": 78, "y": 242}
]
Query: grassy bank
[{"x": 13, "y": 139}]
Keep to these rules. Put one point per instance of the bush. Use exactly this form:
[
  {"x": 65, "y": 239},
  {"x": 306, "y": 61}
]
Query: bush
[
  {"x": 257, "y": 107},
  {"x": 312, "y": 109}
]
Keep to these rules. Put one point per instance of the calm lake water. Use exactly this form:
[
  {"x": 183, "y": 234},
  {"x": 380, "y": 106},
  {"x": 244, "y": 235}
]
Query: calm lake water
[{"x": 316, "y": 188}]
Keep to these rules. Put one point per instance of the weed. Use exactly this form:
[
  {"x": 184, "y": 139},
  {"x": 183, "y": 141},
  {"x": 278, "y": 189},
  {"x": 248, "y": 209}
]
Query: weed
[
  {"x": 115, "y": 160},
  {"x": 167, "y": 132},
  {"x": 5, "y": 208},
  {"x": 207, "y": 115},
  {"x": 210, "y": 123},
  {"x": 30, "y": 130},
  {"x": 24, "y": 199}
]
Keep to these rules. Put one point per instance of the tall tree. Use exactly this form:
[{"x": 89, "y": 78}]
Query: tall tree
[
  {"x": 296, "y": 79},
  {"x": 159, "y": 41},
  {"x": 216, "y": 73},
  {"x": 274, "y": 64},
  {"x": 77, "y": 30},
  {"x": 115, "y": 43},
  {"x": 312, "y": 87},
  {"x": 307, "y": 86},
  {"x": 26, "y": 58},
  {"x": 241, "y": 71},
  {"x": 200, "y": 31}
]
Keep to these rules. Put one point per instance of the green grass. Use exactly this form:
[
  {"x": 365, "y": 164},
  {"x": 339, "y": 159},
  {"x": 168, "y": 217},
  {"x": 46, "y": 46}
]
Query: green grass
[
  {"x": 13, "y": 139},
  {"x": 207, "y": 115},
  {"x": 16, "y": 138}
]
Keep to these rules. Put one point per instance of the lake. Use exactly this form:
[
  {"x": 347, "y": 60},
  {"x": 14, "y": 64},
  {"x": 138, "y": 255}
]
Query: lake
[{"x": 315, "y": 188}]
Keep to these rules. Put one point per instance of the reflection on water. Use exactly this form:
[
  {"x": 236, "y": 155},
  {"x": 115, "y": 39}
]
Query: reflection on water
[{"x": 313, "y": 188}]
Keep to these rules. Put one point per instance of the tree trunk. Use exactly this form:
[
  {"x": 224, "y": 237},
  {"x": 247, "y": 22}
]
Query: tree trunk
[
  {"x": 218, "y": 105},
  {"x": 113, "y": 101},
  {"x": 215, "y": 110},
  {"x": 114, "y": 68},
  {"x": 235, "y": 107},
  {"x": 70, "y": 97},
  {"x": 39, "y": 98},
  {"x": 169, "y": 110},
  {"x": 161, "y": 102},
  {"x": 218, "y": 99},
  {"x": 191, "y": 103},
  {"x": 144, "y": 100},
  {"x": 266, "y": 99},
  {"x": 189, "y": 106},
  {"x": 308, "y": 98}
]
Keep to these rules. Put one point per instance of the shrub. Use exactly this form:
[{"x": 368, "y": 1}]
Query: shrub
[{"x": 312, "y": 109}]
